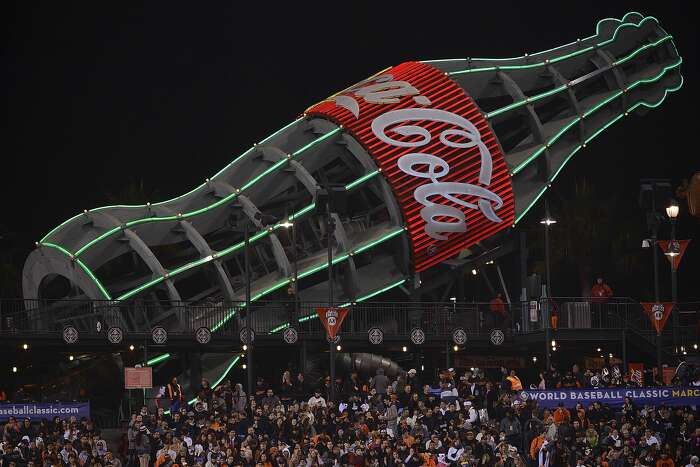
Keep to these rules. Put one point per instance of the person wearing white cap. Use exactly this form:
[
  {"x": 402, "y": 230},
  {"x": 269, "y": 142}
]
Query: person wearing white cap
[
  {"x": 412, "y": 378},
  {"x": 693, "y": 461},
  {"x": 472, "y": 415}
]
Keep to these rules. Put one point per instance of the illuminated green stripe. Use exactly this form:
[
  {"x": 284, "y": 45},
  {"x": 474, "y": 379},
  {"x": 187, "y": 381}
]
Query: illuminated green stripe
[
  {"x": 555, "y": 59},
  {"x": 590, "y": 138},
  {"x": 539, "y": 195},
  {"x": 177, "y": 197},
  {"x": 140, "y": 288},
  {"x": 563, "y": 87},
  {"x": 361, "y": 299},
  {"x": 157, "y": 359},
  {"x": 624, "y": 18},
  {"x": 381, "y": 291},
  {"x": 592, "y": 110},
  {"x": 361, "y": 180},
  {"x": 82, "y": 265},
  {"x": 372, "y": 244}
]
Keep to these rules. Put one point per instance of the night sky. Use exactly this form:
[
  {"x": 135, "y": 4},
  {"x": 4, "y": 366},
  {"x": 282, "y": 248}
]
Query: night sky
[{"x": 99, "y": 94}]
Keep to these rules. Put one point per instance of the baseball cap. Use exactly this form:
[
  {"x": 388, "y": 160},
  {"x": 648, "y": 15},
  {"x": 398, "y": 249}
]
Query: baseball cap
[{"x": 412, "y": 371}]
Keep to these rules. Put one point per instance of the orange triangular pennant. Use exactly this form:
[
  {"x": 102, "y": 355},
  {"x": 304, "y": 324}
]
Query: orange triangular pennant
[
  {"x": 681, "y": 246},
  {"x": 658, "y": 313},
  {"x": 332, "y": 318}
]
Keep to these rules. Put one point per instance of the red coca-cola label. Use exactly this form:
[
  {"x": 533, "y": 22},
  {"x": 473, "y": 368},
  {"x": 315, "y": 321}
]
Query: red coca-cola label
[{"x": 436, "y": 150}]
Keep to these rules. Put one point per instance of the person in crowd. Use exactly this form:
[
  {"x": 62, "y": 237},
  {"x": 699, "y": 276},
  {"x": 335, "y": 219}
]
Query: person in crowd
[
  {"x": 600, "y": 295},
  {"x": 499, "y": 314},
  {"x": 174, "y": 393}
]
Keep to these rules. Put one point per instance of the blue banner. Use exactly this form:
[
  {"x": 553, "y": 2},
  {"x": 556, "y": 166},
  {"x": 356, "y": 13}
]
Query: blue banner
[
  {"x": 38, "y": 410},
  {"x": 614, "y": 397}
]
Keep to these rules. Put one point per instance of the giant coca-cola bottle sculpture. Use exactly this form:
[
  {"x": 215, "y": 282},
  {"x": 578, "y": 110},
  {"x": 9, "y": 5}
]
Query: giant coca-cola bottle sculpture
[{"x": 435, "y": 156}]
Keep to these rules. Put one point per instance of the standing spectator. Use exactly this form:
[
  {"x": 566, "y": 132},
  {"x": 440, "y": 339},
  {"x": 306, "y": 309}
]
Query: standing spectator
[
  {"x": 499, "y": 315},
  {"x": 174, "y": 392},
  {"x": 514, "y": 383},
  {"x": 380, "y": 382},
  {"x": 600, "y": 294}
]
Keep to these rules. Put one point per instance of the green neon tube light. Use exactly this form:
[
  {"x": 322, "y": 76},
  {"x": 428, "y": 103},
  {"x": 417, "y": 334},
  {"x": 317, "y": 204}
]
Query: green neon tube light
[
  {"x": 82, "y": 265},
  {"x": 226, "y": 251},
  {"x": 361, "y": 299},
  {"x": 596, "y": 133},
  {"x": 592, "y": 110},
  {"x": 556, "y": 59},
  {"x": 623, "y": 20},
  {"x": 157, "y": 359},
  {"x": 563, "y": 87},
  {"x": 301, "y": 274},
  {"x": 177, "y": 197}
]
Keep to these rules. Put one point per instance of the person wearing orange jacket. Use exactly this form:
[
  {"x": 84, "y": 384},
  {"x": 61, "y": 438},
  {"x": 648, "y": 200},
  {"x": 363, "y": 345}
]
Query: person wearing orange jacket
[
  {"x": 562, "y": 414},
  {"x": 600, "y": 294},
  {"x": 536, "y": 445}
]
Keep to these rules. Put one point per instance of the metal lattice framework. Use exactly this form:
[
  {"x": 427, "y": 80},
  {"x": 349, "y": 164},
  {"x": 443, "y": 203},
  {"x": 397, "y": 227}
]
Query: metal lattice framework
[{"x": 543, "y": 109}]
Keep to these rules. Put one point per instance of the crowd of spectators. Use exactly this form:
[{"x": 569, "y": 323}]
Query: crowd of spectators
[
  {"x": 58, "y": 442},
  {"x": 458, "y": 419},
  {"x": 465, "y": 419}
]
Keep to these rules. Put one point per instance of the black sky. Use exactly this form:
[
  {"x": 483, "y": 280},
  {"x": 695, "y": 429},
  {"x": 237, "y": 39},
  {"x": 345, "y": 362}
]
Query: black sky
[{"x": 100, "y": 93}]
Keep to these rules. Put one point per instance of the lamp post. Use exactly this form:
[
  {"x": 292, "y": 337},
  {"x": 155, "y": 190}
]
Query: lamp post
[
  {"x": 673, "y": 250},
  {"x": 248, "y": 311},
  {"x": 330, "y": 229},
  {"x": 547, "y": 222}
]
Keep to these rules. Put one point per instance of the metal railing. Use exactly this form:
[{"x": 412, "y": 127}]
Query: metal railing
[{"x": 436, "y": 319}]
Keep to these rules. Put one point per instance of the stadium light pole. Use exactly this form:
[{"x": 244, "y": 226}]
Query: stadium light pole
[
  {"x": 330, "y": 228},
  {"x": 673, "y": 250},
  {"x": 547, "y": 222},
  {"x": 248, "y": 311}
]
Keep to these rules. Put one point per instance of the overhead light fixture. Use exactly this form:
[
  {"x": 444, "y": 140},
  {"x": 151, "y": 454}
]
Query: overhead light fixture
[
  {"x": 695, "y": 346},
  {"x": 404, "y": 348},
  {"x": 598, "y": 349},
  {"x": 548, "y": 221},
  {"x": 131, "y": 347},
  {"x": 286, "y": 224},
  {"x": 554, "y": 343},
  {"x": 534, "y": 359},
  {"x": 672, "y": 209},
  {"x": 455, "y": 348},
  {"x": 610, "y": 355},
  {"x": 245, "y": 366},
  {"x": 245, "y": 347},
  {"x": 71, "y": 358},
  {"x": 474, "y": 272},
  {"x": 338, "y": 348},
  {"x": 14, "y": 369},
  {"x": 25, "y": 346}
]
